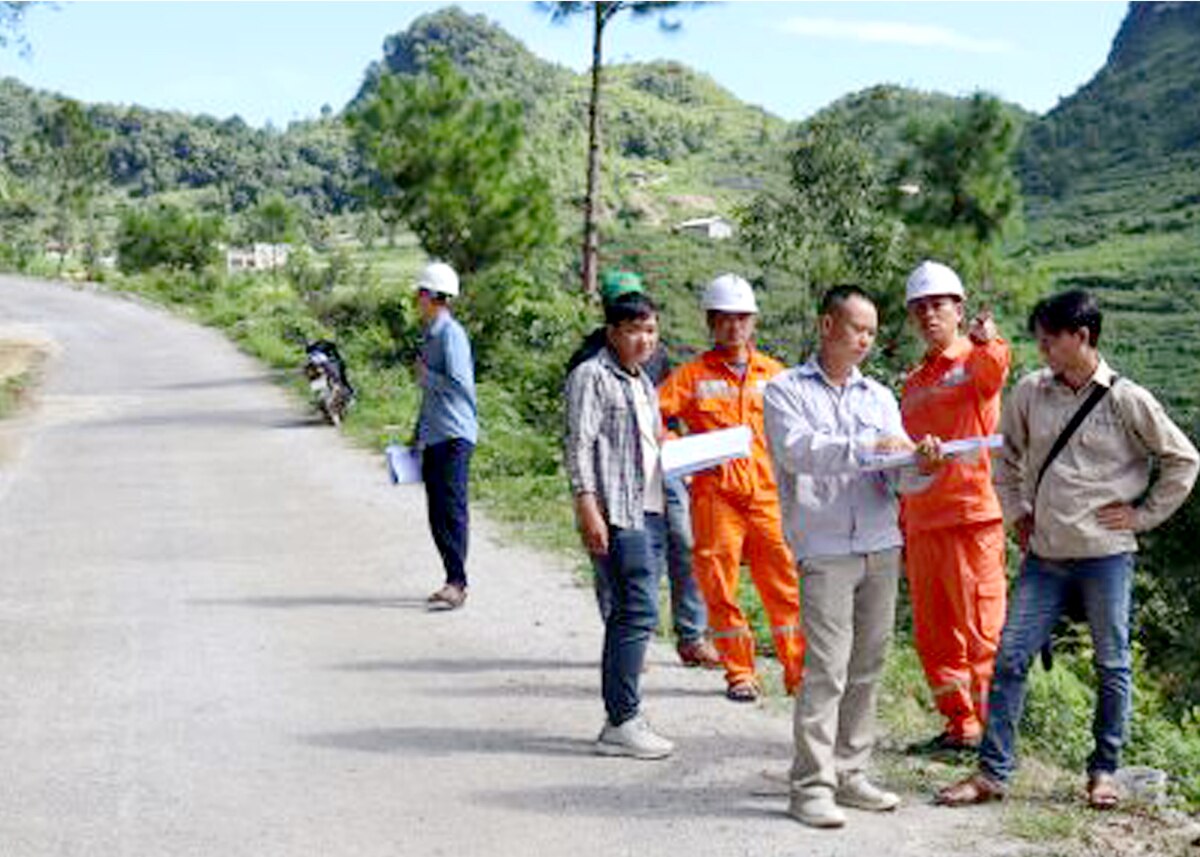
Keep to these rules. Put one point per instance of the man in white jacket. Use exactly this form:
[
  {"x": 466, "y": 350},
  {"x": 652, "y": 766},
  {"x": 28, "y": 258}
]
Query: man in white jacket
[{"x": 823, "y": 419}]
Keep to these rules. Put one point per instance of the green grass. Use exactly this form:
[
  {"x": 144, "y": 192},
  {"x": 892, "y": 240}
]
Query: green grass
[{"x": 1045, "y": 824}]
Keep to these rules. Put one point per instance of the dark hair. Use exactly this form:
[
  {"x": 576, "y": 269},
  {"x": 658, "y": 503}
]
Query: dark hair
[
  {"x": 632, "y": 306},
  {"x": 436, "y": 297},
  {"x": 1067, "y": 311},
  {"x": 836, "y": 297}
]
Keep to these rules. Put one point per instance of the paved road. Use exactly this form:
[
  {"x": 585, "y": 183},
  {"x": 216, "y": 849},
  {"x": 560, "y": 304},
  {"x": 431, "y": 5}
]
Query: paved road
[{"x": 214, "y": 643}]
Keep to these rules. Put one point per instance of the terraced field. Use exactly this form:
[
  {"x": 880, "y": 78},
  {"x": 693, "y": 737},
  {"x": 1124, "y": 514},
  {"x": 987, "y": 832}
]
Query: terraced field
[{"x": 1149, "y": 286}]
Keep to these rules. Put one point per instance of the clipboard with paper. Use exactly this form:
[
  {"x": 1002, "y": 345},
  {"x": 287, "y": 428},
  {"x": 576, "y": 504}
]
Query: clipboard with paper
[{"x": 701, "y": 451}]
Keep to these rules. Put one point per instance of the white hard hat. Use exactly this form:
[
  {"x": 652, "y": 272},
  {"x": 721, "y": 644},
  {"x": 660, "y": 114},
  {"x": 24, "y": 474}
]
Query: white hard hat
[
  {"x": 729, "y": 293},
  {"x": 440, "y": 278},
  {"x": 931, "y": 279}
]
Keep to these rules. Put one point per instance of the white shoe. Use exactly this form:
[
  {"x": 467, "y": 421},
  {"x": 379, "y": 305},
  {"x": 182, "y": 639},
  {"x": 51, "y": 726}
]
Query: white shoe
[
  {"x": 859, "y": 792},
  {"x": 633, "y": 738},
  {"x": 816, "y": 811}
]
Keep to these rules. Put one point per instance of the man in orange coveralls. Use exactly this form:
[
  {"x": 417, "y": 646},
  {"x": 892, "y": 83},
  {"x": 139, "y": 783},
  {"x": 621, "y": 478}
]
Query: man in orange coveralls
[
  {"x": 954, "y": 533},
  {"x": 735, "y": 507}
]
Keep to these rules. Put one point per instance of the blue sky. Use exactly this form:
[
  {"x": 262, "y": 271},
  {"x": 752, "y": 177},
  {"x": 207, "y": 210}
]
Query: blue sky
[{"x": 280, "y": 61}]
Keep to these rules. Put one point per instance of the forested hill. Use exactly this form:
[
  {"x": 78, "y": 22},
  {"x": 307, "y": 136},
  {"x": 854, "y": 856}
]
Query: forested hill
[
  {"x": 497, "y": 63},
  {"x": 881, "y": 115},
  {"x": 1124, "y": 150},
  {"x": 151, "y": 152},
  {"x": 1126, "y": 146},
  {"x": 665, "y": 125},
  {"x": 655, "y": 116}
]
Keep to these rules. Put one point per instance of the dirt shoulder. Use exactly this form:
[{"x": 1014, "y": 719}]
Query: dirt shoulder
[{"x": 24, "y": 352}]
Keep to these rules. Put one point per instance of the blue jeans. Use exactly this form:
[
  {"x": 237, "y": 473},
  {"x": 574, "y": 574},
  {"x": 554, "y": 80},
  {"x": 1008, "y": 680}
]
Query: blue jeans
[
  {"x": 445, "y": 468},
  {"x": 1105, "y": 584},
  {"x": 630, "y": 565},
  {"x": 689, "y": 617}
]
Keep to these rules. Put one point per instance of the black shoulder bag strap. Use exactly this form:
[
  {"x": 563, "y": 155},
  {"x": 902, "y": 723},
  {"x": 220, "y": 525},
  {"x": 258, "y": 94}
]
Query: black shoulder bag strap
[{"x": 1093, "y": 399}]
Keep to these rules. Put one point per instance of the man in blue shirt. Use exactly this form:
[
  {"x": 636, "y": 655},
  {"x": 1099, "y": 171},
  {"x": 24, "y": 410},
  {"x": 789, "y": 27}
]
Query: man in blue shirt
[
  {"x": 823, "y": 419},
  {"x": 447, "y": 428}
]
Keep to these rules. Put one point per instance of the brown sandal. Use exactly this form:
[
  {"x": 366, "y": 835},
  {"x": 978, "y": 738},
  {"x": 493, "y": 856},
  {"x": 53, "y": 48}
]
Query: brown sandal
[
  {"x": 449, "y": 597},
  {"x": 1102, "y": 791},
  {"x": 976, "y": 788}
]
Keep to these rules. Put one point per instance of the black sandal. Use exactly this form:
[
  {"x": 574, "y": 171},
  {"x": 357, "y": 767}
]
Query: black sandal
[{"x": 742, "y": 691}]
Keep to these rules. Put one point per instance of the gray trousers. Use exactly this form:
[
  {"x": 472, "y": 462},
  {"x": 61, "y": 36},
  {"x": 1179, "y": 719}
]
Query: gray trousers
[{"x": 848, "y": 610}]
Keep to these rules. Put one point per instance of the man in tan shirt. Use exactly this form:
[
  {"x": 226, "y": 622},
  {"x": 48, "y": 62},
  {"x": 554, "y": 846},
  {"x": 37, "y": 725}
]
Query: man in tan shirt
[{"x": 1076, "y": 514}]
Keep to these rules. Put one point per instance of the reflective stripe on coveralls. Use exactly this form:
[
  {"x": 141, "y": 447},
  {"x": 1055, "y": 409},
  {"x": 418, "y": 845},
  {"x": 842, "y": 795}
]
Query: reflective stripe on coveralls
[
  {"x": 735, "y": 515},
  {"x": 954, "y": 537}
]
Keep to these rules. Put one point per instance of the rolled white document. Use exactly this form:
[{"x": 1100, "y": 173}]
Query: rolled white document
[{"x": 950, "y": 449}]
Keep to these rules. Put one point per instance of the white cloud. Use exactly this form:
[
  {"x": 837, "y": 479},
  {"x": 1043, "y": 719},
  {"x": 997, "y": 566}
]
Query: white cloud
[{"x": 894, "y": 33}]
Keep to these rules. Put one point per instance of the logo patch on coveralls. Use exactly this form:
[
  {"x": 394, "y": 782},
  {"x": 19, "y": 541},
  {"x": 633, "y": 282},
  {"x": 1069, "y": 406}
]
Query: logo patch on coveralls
[
  {"x": 713, "y": 388},
  {"x": 956, "y": 377}
]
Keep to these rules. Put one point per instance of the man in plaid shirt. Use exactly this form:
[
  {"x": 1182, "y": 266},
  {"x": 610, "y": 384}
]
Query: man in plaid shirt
[{"x": 612, "y": 460}]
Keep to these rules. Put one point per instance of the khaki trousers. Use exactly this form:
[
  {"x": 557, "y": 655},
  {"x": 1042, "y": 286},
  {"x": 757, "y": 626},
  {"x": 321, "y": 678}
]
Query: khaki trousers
[{"x": 849, "y": 610}]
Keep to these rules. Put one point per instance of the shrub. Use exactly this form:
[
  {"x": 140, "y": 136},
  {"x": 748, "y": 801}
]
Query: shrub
[{"x": 167, "y": 236}]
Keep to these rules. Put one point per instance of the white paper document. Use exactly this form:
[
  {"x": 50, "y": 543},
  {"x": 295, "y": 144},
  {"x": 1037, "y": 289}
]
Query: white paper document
[
  {"x": 950, "y": 449},
  {"x": 404, "y": 464},
  {"x": 708, "y": 449}
]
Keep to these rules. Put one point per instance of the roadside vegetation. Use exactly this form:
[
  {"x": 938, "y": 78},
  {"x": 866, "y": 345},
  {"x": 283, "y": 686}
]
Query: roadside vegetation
[
  {"x": 12, "y": 392},
  {"x": 463, "y": 146}
]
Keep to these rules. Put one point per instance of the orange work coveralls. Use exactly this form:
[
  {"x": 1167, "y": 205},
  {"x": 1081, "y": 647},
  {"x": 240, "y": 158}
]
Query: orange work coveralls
[
  {"x": 735, "y": 512},
  {"x": 954, "y": 532}
]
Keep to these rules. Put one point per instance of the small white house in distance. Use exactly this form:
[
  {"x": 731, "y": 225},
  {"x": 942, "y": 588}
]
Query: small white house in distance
[
  {"x": 259, "y": 257},
  {"x": 714, "y": 228}
]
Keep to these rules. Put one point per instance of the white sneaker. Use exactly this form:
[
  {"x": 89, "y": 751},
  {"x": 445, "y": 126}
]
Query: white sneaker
[
  {"x": 816, "y": 811},
  {"x": 859, "y": 792},
  {"x": 633, "y": 738}
]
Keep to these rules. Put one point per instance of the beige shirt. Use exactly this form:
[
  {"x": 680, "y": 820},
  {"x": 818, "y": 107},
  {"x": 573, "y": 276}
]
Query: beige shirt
[{"x": 1107, "y": 460}]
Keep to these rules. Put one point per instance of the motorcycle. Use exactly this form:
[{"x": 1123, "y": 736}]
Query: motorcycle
[{"x": 327, "y": 380}]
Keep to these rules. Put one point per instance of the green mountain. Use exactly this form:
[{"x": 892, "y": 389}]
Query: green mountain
[
  {"x": 675, "y": 141},
  {"x": 1122, "y": 155},
  {"x": 1112, "y": 182},
  {"x": 152, "y": 152},
  {"x": 1118, "y": 158},
  {"x": 497, "y": 63},
  {"x": 880, "y": 115}
]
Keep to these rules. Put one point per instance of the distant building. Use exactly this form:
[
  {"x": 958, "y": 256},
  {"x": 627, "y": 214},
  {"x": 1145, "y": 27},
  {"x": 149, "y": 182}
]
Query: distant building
[
  {"x": 640, "y": 178},
  {"x": 259, "y": 257},
  {"x": 715, "y": 228}
]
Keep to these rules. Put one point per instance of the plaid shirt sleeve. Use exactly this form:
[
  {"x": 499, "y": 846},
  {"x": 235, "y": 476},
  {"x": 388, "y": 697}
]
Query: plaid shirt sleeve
[{"x": 584, "y": 413}]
